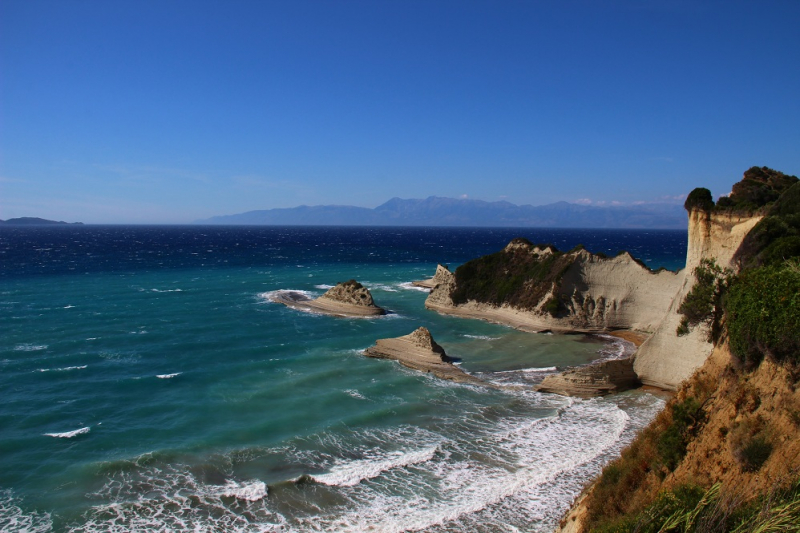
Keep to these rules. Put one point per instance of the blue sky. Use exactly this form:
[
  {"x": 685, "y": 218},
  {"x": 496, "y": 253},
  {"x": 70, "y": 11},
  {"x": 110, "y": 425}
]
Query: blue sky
[{"x": 166, "y": 112}]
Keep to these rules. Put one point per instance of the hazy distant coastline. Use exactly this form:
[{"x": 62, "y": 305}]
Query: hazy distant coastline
[
  {"x": 34, "y": 221},
  {"x": 437, "y": 211}
]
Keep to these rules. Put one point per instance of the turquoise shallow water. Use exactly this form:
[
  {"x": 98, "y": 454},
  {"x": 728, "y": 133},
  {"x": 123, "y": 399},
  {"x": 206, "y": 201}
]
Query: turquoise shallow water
[{"x": 149, "y": 384}]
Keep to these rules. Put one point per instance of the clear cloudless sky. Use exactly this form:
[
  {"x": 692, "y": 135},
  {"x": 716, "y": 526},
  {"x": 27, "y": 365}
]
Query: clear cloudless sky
[{"x": 152, "y": 111}]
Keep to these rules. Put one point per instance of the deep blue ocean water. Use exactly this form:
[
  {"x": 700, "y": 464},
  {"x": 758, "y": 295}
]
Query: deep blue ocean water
[{"x": 148, "y": 384}]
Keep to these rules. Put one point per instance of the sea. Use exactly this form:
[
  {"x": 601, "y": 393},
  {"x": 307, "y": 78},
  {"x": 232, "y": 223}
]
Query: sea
[{"x": 147, "y": 383}]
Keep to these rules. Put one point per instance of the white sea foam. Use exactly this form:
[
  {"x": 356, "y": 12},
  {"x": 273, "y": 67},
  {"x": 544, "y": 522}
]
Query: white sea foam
[
  {"x": 14, "y": 518},
  {"x": 355, "y": 394},
  {"x": 323, "y": 286},
  {"x": 166, "y": 290},
  {"x": 30, "y": 347},
  {"x": 64, "y": 369},
  {"x": 407, "y": 285},
  {"x": 380, "y": 287},
  {"x": 168, "y": 376},
  {"x": 354, "y": 472},
  {"x": 482, "y": 337},
  {"x": 269, "y": 294},
  {"x": 508, "y": 473},
  {"x": 68, "y": 306},
  {"x": 171, "y": 498},
  {"x": 250, "y": 491},
  {"x": 69, "y": 434},
  {"x": 530, "y": 370}
]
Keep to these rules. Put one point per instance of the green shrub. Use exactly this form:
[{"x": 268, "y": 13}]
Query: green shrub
[
  {"x": 759, "y": 187},
  {"x": 699, "y": 198},
  {"x": 777, "y": 236},
  {"x": 754, "y": 453},
  {"x": 763, "y": 313},
  {"x": 672, "y": 442},
  {"x": 702, "y": 303},
  {"x": 552, "y": 306}
]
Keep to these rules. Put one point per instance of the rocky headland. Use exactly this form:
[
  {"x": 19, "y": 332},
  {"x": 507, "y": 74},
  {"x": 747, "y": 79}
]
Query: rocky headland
[
  {"x": 419, "y": 351},
  {"x": 723, "y": 455},
  {"x": 346, "y": 299}
]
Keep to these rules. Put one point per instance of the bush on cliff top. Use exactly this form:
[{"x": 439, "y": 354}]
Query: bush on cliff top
[
  {"x": 763, "y": 313},
  {"x": 699, "y": 198},
  {"x": 777, "y": 236}
]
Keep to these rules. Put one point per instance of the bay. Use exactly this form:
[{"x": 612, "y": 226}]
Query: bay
[{"x": 149, "y": 384}]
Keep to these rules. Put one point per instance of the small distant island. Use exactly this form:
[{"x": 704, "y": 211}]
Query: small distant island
[{"x": 35, "y": 221}]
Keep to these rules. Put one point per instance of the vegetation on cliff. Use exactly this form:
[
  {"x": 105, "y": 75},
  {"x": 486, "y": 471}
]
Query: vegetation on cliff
[
  {"x": 702, "y": 304},
  {"x": 519, "y": 275},
  {"x": 763, "y": 314},
  {"x": 759, "y": 187},
  {"x": 777, "y": 236},
  {"x": 724, "y": 453}
]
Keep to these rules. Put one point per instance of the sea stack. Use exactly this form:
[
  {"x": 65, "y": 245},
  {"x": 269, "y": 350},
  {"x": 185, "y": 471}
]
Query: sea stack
[
  {"x": 441, "y": 275},
  {"x": 348, "y": 299},
  {"x": 419, "y": 351}
]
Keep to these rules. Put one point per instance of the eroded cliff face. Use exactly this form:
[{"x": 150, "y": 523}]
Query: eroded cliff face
[
  {"x": 593, "y": 293},
  {"x": 666, "y": 359},
  {"x": 716, "y": 235}
]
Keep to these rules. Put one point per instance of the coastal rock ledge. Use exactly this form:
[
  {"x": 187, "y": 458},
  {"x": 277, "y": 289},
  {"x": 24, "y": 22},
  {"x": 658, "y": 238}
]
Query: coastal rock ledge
[
  {"x": 598, "y": 379},
  {"x": 419, "y": 351},
  {"x": 348, "y": 299}
]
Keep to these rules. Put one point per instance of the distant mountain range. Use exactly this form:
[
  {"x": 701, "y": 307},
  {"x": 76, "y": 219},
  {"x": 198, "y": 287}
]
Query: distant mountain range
[
  {"x": 436, "y": 211},
  {"x": 33, "y": 221}
]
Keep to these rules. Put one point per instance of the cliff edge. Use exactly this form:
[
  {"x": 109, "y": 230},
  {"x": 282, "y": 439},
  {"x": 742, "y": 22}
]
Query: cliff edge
[{"x": 666, "y": 359}]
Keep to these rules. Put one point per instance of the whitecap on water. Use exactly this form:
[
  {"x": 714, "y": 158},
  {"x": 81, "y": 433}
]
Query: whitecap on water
[
  {"x": 168, "y": 376},
  {"x": 30, "y": 347},
  {"x": 350, "y": 473},
  {"x": 69, "y": 434},
  {"x": 64, "y": 369},
  {"x": 355, "y": 394},
  {"x": 482, "y": 337},
  {"x": 250, "y": 491},
  {"x": 407, "y": 285}
]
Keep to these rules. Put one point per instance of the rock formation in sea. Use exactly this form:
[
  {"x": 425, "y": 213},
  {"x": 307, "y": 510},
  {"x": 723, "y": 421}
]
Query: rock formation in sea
[
  {"x": 606, "y": 377},
  {"x": 442, "y": 275},
  {"x": 419, "y": 351},
  {"x": 349, "y": 299}
]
